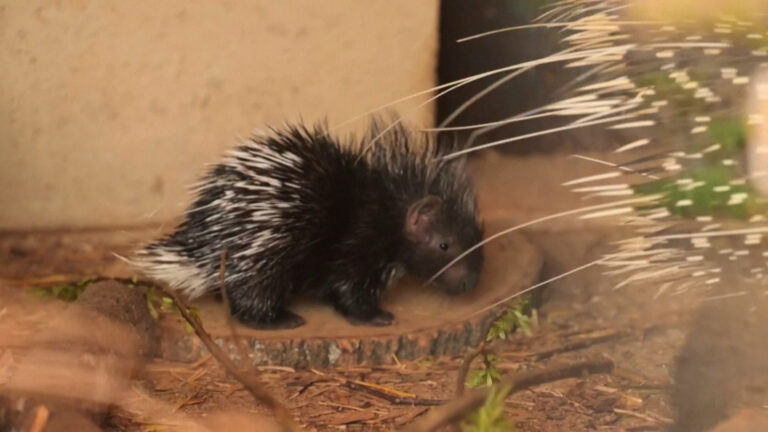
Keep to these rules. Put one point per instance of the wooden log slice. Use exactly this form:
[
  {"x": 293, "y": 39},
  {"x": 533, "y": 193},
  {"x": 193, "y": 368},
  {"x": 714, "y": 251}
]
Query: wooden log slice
[{"x": 429, "y": 322}]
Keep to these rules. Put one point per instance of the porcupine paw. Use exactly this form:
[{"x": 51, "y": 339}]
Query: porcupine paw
[
  {"x": 380, "y": 318},
  {"x": 284, "y": 320}
]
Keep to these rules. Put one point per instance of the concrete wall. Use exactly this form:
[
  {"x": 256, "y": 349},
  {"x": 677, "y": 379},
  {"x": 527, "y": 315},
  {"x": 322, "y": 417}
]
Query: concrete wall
[{"x": 109, "y": 108}]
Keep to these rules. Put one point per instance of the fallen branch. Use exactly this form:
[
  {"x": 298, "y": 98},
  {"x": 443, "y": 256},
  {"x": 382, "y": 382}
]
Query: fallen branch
[
  {"x": 460, "y": 407},
  {"x": 600, "y": 337},
  {"x": 461, "y": 379},
  {"x": 640, "y": 382},
  {"x": 249, "y": 381}
]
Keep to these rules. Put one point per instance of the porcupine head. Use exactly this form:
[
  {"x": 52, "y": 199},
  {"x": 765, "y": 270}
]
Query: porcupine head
[
  {"x": 441, "y": 228},
  {"x": 299, "y": 212},
  {"x": 431, "y": 185}
]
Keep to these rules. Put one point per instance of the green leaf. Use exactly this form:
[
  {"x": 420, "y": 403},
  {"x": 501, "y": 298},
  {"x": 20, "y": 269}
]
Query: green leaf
[
  {"x": 152, "y": 300},
  {"x": 705, "y": 201},
  {"x": 161, "y": 305},
  {"x": 477, "y": 378},
  {"x": 490, "y": 417},
  {"x": 730, "y": 133},
  {"x": 523, "y": 322},
  {"x": 514, "y": 318},
  {"x": 487, "y": 376},
  {"x": 167, "y": 304},
  {"x": 67, "y": 291},
  {"x": 195, "y": 313}
]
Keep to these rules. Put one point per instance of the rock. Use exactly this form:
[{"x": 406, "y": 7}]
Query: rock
[{"x": 83, "y": 358}]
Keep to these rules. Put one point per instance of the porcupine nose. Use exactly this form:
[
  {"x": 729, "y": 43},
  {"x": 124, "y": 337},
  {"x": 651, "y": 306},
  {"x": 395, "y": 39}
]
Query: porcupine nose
[
  {"x": 470, "y": 281},
  {"x": 459, "y": 279}
]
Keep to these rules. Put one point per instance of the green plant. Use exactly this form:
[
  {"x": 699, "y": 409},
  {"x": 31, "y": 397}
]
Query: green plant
[
  {"x": 709, "y": 179},
  {"x": 487, "y": 376},
  {"x": 706, "y": 187},
  {"x": 711, "y": 198},
  {"x": 730, "y": 133},
  {"x": 157, "y": 304},
  {"x": 153, "y": 302},
  {"x": 67, "y": 291},
  {"x": 515, "y": 318},
  {"x": 490, "y": 416}
]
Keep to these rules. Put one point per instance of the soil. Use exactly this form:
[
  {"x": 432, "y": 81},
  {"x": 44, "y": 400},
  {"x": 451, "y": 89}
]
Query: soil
[{"x": 580, "y": 317}]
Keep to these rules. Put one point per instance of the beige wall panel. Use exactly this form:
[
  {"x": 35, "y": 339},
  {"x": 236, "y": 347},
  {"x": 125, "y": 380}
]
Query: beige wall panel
[{"x": 109, "y": 108}]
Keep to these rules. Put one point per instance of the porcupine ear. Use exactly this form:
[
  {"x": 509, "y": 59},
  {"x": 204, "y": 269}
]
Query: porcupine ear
[{"x": 420, "y": 218}]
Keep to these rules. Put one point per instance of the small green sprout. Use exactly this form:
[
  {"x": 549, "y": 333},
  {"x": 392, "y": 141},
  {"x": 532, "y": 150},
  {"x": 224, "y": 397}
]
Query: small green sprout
[
  {"x": 490, "y": 417},
  {"x": 515, "y": 318},
  {"x": 487, "y": 376},
  {"x": 158, "y": 304}
]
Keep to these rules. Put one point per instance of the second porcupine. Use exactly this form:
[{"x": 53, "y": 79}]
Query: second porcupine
[{"x": 298, "y": 212}]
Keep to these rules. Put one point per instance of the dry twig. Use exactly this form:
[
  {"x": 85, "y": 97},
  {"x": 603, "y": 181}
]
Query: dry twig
[
  {"x": 461, "y": 380},
  {"x": 248, "y": 380},
  {"x": 581, "y": 343},
  {"x": 480, "y": 349},
  {"x": 393, "y": 396},
  {"x": 42, "y": 414}
]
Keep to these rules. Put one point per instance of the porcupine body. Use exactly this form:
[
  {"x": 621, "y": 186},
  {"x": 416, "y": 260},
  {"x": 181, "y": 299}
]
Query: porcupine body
[
  {"x": 682, "y": 87},
  {"x": 297, "y": 212},
  {"x": 722, "y": 366},
  {"x": 674, "y": 93}
]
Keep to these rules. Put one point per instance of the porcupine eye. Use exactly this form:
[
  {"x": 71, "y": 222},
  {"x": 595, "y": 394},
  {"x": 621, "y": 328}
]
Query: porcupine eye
[{"x": 444, "y": 246}]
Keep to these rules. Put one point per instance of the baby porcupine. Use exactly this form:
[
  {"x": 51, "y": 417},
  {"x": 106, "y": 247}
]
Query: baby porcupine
[{"x": 298, "y": 212}]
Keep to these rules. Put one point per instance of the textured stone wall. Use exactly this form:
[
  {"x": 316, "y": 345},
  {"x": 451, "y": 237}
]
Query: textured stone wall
[{"x": 109, "y": 108}]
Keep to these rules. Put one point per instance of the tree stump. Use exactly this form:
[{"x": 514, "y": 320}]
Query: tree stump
[{"x": 429, "y": 322}]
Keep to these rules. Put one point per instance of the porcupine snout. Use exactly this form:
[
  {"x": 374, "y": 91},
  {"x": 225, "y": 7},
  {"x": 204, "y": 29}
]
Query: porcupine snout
[{"x": 463, "y": 275}]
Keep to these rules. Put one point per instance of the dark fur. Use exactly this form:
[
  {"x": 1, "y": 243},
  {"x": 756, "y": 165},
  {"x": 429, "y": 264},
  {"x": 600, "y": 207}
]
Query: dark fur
[{"x": 343, "y": 234}]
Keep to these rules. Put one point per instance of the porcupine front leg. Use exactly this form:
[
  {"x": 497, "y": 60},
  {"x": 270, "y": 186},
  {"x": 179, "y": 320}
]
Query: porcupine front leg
[
  {"x": 357, "y": 298},
  {"x": 261, "y": 305}
]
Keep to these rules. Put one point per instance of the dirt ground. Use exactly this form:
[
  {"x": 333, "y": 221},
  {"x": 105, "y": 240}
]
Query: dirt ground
[
  {"x": 580, "y": 317},
  {"x": 324, "y": 399}
]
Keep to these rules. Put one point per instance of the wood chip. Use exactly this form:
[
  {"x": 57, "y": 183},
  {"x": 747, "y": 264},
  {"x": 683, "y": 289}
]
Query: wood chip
[
  {"x": 350, "y": 417},
  {"x": 41, "y": 419},
  {"x": 411, "y": 416},
  {"x": 648, "y": 417}
]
